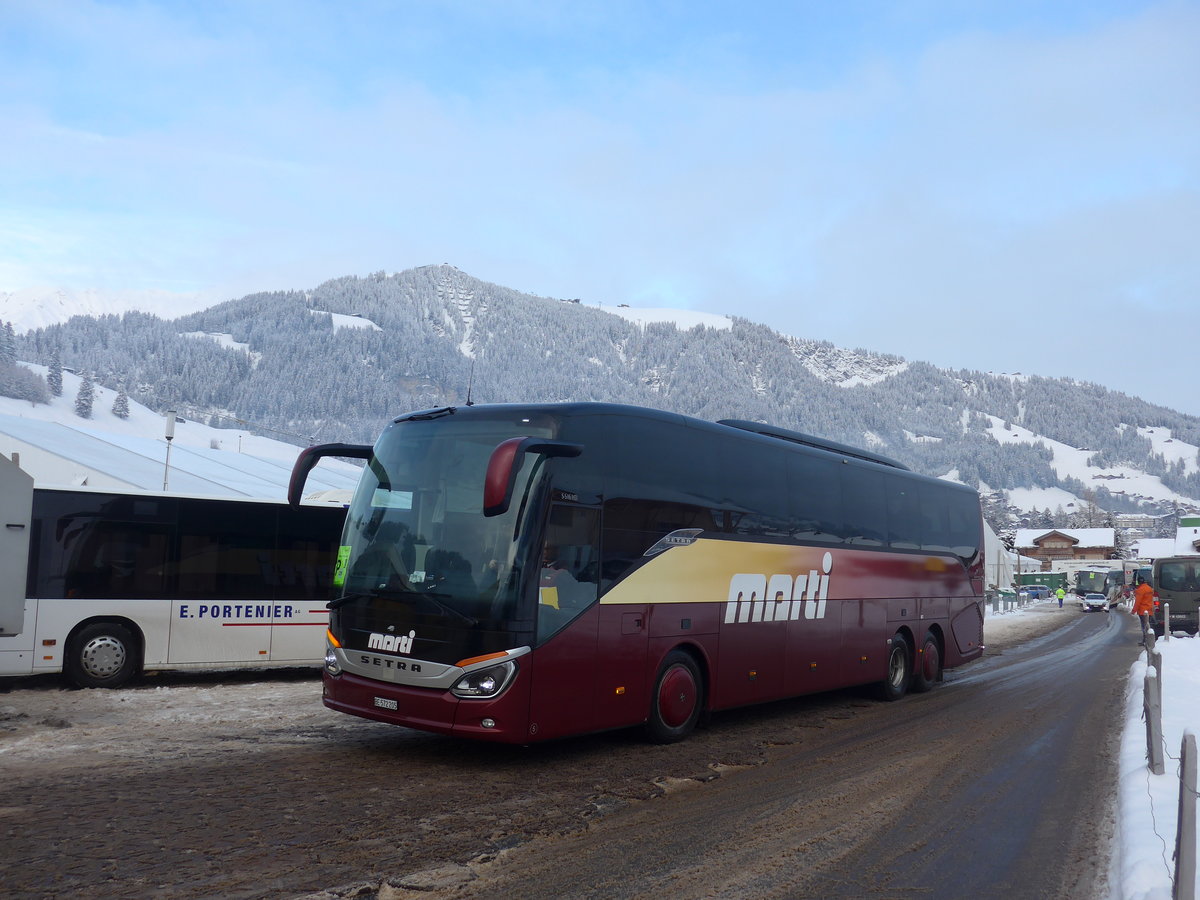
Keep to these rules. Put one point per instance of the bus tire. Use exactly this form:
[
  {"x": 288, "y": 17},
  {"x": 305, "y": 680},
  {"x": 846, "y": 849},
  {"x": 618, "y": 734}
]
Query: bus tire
[
  {"x": 676, "y": 703},
  {"x": 899, "y": 669},
  {"x": 101, "y": 655},
  {"x": 928, "y": 667}
]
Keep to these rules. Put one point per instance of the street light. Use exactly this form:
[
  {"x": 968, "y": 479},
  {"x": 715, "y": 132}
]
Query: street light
[{"x": 170, "y": 435}]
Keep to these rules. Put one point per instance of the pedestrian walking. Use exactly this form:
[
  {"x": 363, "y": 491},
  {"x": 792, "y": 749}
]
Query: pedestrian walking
[
  {"x": 1143, "y": 606},
  {"x": 1060, "y": 594}
]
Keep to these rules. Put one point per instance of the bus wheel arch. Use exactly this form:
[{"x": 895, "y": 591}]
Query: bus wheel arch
[
  {"x": 898, "y": 675},
  {"x": 927, "y": 667},
  {"x": 103, "y": 653},
  {"x": 677, "y": 697}
]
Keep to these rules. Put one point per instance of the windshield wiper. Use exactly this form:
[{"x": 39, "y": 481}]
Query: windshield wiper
[
  {"x": 344, "y": 599},
  {"x": 426, "y": 414},
  {"x": 446, "y": 607},
  {"x": 406, "y": 595}
]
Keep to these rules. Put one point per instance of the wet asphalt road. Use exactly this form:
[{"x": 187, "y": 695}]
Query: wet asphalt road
[{"x": 996, "y": 784}]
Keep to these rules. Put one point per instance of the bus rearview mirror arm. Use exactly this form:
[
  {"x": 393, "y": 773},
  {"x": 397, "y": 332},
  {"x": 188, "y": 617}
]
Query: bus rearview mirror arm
[{"x": 310, "y": 456}]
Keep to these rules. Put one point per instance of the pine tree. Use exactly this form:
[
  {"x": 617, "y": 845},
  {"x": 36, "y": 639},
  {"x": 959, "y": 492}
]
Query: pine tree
[
  {"x": 120, "y": 407},
  {"x": 85, "y": 397},
  {"x": 8, "y": 344},
  {"x": 54, "y": 375}
]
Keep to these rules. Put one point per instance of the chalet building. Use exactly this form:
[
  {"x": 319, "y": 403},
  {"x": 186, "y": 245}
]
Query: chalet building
[{"x": 1059, "y": 544}]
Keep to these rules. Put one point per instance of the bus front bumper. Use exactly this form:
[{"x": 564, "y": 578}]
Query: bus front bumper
[{"x": 503, "y": 719}]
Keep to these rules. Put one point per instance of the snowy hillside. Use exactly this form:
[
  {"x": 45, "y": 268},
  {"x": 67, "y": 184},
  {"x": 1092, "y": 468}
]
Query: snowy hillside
[
  {"x": 142, "y": 422},
  {"x": 337, "y": 362},
  {"x": 1072, "y": 462},
  {"x": 38, "y": 307},
  {"x": 59, "y": 447}
]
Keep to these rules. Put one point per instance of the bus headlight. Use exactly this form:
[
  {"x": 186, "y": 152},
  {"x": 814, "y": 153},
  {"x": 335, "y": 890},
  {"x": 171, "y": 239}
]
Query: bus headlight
[
  {"x": 332, "y": 666},
  {"x": 483, "y": 684}
]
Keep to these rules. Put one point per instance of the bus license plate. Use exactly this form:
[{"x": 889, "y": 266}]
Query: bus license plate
[{"x": 385, "y": 703}]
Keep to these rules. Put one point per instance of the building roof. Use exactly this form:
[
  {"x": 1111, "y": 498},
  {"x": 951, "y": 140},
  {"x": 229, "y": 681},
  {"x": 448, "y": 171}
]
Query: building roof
[{"x": 1084, "y": 537}]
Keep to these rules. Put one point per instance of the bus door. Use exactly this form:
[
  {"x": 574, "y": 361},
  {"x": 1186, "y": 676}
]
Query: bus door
[
  {"x": 568, "y": 585},
  {"x": 300, "y": 572},
  {"x": 225, "y": 604}
]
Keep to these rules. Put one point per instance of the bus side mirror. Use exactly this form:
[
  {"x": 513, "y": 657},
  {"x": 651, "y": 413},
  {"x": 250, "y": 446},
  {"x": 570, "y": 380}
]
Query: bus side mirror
[
  {"x": 310, "y": 456},
  {"x": 506, "y": 462}
]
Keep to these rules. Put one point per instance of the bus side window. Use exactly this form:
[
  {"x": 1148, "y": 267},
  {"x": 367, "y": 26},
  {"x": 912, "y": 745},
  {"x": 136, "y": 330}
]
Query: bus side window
[
  {"x": 866, "y": 506},
  {"x": 816, "y": 495},
  {"x": 904, "y": 513}
]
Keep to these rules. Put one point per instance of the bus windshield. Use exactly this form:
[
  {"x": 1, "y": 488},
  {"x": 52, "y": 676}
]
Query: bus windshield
[{"x": 417, "y": 547}]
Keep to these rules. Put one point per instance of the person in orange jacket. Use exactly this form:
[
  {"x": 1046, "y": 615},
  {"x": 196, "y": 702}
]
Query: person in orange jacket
[{"x": 1143, "y": 605}]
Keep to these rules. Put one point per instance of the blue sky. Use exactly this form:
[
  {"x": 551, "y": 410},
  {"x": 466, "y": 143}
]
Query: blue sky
[{"x": 1009, "y": 186}]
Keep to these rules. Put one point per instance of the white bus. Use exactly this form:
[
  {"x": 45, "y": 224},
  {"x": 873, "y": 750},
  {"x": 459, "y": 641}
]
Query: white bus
[{"x": 103, "y": 585}]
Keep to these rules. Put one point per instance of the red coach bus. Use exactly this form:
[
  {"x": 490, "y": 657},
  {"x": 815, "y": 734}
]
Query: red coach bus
[{"x": 519, "y": 573}]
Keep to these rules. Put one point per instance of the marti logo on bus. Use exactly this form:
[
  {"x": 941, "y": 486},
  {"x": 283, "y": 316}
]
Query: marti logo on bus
[
  {"x": 391, "y": 643},
  {"x": 780, "y": 598},
  {"x": 753, "y": 597}
]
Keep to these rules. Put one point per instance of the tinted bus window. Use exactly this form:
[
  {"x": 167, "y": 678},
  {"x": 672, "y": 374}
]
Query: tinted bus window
[
  {"x": 816, "y": 490},
  {"x": 966, "y": 530},
  {"x": 935, "y": 520},
  {"x": 225, "y": 555},
  {"x": 904, "y": 513},
  {"x": 865, "y": 505},
  {"x": 757, "y": 477},
  {"x": 99, "y": 545}
]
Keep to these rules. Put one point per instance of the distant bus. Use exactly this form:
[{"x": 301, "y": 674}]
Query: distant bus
[
  {"x": 520, "y": 573},
  {"x": 1089, "y": 581},
  {"x": 119, "y": 583},
  {"x": 1176, "y": 582}
]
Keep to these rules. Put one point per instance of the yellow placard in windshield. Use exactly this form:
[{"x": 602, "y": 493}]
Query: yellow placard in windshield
[{"x": 339, "y": 568}]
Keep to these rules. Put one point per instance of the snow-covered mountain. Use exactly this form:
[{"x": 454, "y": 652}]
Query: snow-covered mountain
[
  {"x": 337, "y": 362},
  {"x": 31, "y": 308}
]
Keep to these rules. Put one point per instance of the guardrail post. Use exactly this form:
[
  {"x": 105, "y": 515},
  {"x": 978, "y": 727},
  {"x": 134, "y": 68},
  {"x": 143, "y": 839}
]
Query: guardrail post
[
  {"x": 1184, "y": 887},
  {"x": 1166, "y": 621},
  {"x": 1152, "y": 708},
  {"x": 1156, "y": 662},
  {"x": 996, "y": 604}
]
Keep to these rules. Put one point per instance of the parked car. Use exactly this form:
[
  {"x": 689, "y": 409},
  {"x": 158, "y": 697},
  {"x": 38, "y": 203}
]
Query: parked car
[
  {"x": 1036, "y": 591},
  {"x": 1093, "y": 600}
]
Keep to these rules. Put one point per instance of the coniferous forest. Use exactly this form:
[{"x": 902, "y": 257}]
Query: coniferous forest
[{"x": 433, "y": 334}]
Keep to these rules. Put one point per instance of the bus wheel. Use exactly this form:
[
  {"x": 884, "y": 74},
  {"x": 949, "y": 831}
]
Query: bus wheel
[
  {"x": 928, "y": 666},
  {"x": 899, "y": 669},
  {"x": 675, "y": 705},
  {"x": 103, "y": 654}
]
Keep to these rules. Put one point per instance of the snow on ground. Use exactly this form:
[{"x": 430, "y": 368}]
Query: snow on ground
[
  {"x": 61, "y": 448},
  {"x": 684, "y": 319},
  {"x": 1147, "y": 804},
  {"x": 142, "y": 421},
  {"x": 341, "y": 320},
  {"x": 1072, "y": 462},
  {"x": 37, "y": 307},
  {"x": 1173, "y": 449},
  {"x": 844, "y": 368}
]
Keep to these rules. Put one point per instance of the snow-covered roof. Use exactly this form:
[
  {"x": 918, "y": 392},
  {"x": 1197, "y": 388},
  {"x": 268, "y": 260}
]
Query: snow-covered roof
[
  {"x": 1086, "y": 537},
  {"x": 1153, "y": 548}
]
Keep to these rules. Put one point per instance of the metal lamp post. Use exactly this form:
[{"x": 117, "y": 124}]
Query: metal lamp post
[{"x": 170, "y": 435}]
